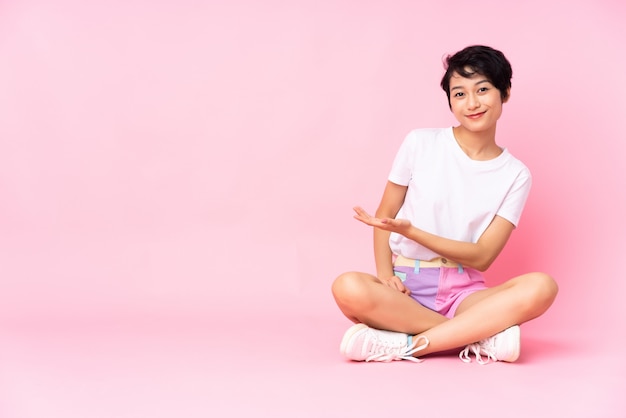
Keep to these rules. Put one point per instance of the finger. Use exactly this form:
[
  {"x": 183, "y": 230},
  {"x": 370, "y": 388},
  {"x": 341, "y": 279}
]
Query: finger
[
  {"x": 402, "y": 288},
  {"x": 397, "y": 283},
  {"x": 388, "y": 281},
  {"x": 361, "y": 212}
]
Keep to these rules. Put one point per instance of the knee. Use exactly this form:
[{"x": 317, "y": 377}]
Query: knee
[
  {"x": 542, "y": 290},
  {"x": 348, "y": 288}
]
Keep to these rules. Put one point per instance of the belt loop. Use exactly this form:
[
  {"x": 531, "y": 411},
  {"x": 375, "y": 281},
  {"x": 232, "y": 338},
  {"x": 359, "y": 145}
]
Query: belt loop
[
  {"x": 416, "y": 269},
  {"x": 460, "y": 269}
]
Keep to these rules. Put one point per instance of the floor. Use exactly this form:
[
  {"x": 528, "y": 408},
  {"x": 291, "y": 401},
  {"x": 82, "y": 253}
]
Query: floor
[{"x": 270, "y": 365}]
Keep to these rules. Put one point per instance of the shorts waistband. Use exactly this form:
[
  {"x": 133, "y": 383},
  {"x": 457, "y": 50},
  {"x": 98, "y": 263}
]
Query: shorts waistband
[{"x": 435, "y": 262}]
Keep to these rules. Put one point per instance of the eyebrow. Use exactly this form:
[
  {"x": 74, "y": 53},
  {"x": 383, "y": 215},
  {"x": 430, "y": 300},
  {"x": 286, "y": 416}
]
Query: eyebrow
[{"x": 477, "y": 83}]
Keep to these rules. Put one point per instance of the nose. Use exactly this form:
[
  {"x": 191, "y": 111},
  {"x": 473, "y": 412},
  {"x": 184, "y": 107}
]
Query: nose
[{"x": 473, "y": 102}]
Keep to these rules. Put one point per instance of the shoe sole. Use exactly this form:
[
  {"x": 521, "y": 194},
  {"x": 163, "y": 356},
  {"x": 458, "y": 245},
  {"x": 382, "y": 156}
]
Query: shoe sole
[{"x": 346, "y": 343}]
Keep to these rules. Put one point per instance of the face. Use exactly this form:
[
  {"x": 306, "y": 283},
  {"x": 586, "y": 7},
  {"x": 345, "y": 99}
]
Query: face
[{"x": 475, "y": 102}]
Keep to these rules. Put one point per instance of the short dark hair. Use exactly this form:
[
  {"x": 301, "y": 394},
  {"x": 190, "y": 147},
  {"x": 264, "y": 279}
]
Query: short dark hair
[{"x": 483, "y": 60}]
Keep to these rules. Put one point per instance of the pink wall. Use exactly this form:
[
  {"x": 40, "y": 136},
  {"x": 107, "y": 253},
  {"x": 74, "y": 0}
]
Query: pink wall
[{"x": 184, "y": 156}]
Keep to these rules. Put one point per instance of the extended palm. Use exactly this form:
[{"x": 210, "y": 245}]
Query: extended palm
[{"x": 387, "y": 224}]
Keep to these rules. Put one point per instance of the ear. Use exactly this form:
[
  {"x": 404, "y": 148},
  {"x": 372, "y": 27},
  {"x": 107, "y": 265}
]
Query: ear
[{"x": 508, "y": 95}]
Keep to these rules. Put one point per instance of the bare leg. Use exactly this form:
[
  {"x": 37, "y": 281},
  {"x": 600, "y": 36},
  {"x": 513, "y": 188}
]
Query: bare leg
[
  {"x": 490, "y": 311},
  {"x": 362, "y": 298}
]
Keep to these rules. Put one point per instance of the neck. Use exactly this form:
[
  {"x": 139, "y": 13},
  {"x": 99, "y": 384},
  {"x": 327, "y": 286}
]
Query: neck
[{"x": 477, "y": 145}]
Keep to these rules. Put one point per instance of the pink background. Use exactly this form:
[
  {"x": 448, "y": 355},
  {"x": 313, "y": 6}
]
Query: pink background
[{"x": 189, "y": 165}]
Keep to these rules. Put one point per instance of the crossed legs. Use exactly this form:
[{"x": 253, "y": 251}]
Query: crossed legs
[{"x": 364, "y": 299}]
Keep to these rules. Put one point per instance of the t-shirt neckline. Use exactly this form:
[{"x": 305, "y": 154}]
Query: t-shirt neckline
[{"x": 461, "y": 154}]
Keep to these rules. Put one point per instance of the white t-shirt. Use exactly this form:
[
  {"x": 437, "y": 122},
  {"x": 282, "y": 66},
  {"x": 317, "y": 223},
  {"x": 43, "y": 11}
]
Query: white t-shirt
[{"x": 451, "y": 195}]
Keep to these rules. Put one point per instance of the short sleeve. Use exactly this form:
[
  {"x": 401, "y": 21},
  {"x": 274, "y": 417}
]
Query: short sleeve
[
  {"x": 402, "y": 167},
  {"x": 515, "y": 200}
]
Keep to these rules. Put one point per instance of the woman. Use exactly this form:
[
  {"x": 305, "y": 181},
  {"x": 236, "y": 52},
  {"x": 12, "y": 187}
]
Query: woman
[{"x": 452, "y": 200}]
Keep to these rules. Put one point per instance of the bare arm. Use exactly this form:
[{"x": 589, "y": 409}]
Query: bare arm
[
  {"x": 477, "y": 255},
  {"x": 390, "y": 204}
]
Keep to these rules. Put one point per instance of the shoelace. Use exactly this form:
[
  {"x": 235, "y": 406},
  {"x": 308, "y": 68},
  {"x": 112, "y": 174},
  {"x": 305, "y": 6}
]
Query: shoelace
[
  {"x": 485, "y": 347},
  {"x": 386, "y": 353}
]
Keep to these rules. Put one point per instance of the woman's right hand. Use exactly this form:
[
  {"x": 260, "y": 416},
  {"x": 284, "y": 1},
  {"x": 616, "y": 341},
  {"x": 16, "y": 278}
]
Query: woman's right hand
[{"x": 394, "y": 282}]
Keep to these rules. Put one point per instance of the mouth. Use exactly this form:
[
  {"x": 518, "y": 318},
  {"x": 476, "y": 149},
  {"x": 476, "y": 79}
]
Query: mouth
[{"x": 475, "y": 115}]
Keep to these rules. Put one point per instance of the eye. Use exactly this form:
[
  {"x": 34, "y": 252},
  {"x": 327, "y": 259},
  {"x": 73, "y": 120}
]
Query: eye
[
  {"x": 483, "y": 89},
  {"x": 459, "y": 94}
]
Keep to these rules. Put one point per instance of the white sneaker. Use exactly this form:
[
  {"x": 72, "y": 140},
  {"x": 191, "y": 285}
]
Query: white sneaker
[
  {"x": 362, "y": 343},
  {"x": 504, "y": 346}
]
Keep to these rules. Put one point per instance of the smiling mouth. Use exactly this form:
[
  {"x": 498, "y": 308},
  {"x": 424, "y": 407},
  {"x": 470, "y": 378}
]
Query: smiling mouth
[{"x": 476, "y": 115}]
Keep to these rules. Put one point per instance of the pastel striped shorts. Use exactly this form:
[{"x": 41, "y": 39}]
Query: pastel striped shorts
[{"x": 441, "y": 289}]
